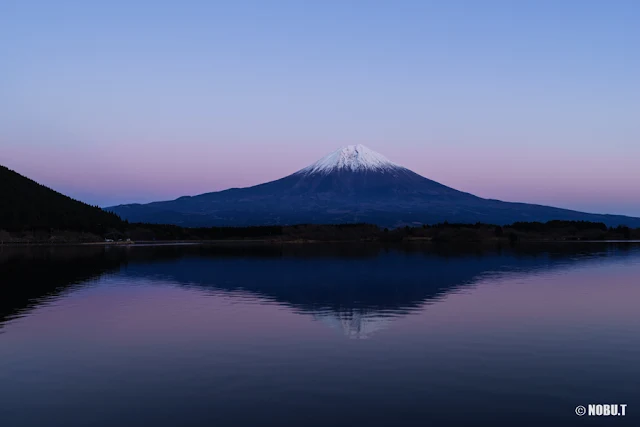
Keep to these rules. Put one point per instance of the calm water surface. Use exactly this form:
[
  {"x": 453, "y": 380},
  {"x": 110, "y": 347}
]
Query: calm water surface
[{"x": 318, "y": 335}]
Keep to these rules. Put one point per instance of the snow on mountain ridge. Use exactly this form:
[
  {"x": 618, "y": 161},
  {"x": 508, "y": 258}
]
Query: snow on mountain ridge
[{"x": 356, "y": 158}]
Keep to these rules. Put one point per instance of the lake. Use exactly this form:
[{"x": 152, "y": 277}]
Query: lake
[{"x": 319, "y": 335}]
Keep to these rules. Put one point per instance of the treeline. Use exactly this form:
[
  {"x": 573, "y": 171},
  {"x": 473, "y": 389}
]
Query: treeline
[
  {"x": 152, "y": 232},
  {"x": 160, "y": 232},
  {"x": 26, "y": 206},
  {"x": 593, "y": 230},
  {"x": 551, "y": 230},
  {"x": 439, "y": 233},
  {"x": 519, "y": 231}
]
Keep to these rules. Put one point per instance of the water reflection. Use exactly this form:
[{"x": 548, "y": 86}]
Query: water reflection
[
  {"x": 356, "y": 324},
  {"x": 201, "y": 336},
  {"x": 358, "y": 289},
  {"x": 31, "y": 276}
]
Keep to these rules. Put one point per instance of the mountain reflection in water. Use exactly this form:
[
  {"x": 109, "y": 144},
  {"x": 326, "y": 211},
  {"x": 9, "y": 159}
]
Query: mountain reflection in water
[
  {"x": 356, "y": 288},
  {"x": 317, "y": 335}
]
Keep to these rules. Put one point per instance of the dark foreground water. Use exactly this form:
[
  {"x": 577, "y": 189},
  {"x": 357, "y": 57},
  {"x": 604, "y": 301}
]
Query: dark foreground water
[{"x": 318, "y": 336}]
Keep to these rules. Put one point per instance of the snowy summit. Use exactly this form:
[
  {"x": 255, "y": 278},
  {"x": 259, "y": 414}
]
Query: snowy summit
[{"x": 355, "y": 158}]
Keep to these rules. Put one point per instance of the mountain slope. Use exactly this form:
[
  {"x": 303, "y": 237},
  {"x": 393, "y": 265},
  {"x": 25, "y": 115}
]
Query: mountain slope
[
  {"x": 353, "y": 184},
  {"x": 27, "y": 205}
]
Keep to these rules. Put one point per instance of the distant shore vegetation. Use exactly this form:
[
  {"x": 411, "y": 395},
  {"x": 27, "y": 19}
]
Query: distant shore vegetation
[{"x": 439, "y": 233}]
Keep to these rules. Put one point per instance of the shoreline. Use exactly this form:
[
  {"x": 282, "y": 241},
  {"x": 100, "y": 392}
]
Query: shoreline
[{"x": 251, "y": 242}]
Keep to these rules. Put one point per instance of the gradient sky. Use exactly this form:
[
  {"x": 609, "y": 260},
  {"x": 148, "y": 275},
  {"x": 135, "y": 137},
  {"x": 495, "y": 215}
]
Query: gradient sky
[{"x": 134, "y": 101}]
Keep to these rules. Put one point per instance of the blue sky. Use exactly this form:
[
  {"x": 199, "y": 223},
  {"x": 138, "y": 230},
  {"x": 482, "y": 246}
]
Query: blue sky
[{"x": 124, "y": 101}]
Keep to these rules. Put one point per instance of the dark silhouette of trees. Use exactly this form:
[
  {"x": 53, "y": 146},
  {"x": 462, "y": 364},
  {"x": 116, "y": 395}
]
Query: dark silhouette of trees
[
  {"x": 624, "y": 231},
  {"x": 557, "y": 225},
  {"x": 26, "y": 205}
]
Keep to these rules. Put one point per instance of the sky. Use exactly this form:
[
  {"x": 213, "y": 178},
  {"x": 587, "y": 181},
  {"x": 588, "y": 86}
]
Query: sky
[{"x": 136, "y": 101}]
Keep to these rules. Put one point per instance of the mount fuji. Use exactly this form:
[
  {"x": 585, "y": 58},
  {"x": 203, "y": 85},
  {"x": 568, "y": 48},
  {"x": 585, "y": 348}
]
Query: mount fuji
[{"x": 352, "y": 184}]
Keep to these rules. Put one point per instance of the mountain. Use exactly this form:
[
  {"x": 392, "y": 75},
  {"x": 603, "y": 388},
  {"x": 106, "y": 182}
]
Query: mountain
[
  {"x": 352, "y": 184},
  {"x": 27, "y": 205}
]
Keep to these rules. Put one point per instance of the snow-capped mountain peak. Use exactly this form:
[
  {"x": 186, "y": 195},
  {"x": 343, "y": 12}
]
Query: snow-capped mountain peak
[{"x": 355, "y": 158}]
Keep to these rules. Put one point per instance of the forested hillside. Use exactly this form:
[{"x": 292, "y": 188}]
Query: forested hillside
[{"x": 27, "y": 205}]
